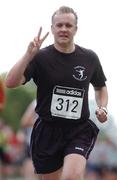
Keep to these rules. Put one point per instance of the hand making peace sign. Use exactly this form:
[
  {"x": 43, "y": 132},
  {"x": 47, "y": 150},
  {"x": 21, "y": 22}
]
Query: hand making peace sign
[{"x": 35, "y": 45}]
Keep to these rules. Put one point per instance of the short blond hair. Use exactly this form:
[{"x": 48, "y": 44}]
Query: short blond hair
[{"x": 65, "y": 9}]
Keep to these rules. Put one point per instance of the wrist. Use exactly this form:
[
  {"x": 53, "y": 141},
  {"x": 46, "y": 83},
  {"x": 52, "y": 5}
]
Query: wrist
[{"x": 104, "y": 109}]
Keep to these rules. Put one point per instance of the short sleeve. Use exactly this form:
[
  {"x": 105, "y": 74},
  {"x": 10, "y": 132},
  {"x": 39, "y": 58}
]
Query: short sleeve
[
  {"x": 98, "y": 77},
  {"x": 30, "y": 71}
]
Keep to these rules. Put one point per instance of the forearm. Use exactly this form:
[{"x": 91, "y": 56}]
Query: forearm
[
  {"x": 15, "y": 77},
  {"x": 101, "y": 96}
]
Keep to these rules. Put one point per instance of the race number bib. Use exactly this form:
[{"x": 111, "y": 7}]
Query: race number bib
[{"x": 67, "y": 102}]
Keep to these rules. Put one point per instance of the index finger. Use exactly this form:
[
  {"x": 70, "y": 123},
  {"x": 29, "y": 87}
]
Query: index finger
[{"x": 39, "y": 33}]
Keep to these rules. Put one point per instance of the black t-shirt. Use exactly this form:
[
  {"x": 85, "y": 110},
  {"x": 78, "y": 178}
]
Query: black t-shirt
[{"x": 62, "y": 82}]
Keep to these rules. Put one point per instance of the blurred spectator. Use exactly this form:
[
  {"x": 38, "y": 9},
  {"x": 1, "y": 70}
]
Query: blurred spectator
[
  {"x": 14, "y": 148},
  {"x": 104, "y": 153},
  {"x": 12, "y": 153},
  {"x": 102, "y": 164},
  {"x": 5, "y": 157},
  {"x": 28, "y": 119},
  {"x": 111, "y": 174},
  {"x": 27, "y": 122}
]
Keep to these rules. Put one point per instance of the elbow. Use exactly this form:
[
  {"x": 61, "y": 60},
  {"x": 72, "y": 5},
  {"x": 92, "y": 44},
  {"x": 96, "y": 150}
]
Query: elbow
[
  {"x": 9, "y": 84},
  {"x": 9, "y": 81},
  {"x": 13, "y": 82}
]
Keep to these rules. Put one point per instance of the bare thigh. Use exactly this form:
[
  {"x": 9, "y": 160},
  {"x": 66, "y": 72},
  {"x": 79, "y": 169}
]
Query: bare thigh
[
  {"x": 51, "y": 176},
  {"x": 74, "y": 167}
]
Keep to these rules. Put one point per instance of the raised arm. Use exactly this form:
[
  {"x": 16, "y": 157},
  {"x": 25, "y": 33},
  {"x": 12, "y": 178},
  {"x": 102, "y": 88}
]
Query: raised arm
[
  {"x": 101, "y": 95},
  {"x": 15, "y": 77}
]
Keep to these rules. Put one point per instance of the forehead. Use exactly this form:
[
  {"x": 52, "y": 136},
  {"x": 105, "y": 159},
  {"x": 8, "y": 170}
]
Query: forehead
[{"x": 64, "y": 18}]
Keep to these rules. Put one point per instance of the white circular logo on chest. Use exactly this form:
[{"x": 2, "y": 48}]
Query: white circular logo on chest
[{"x": 79, "y": 73}]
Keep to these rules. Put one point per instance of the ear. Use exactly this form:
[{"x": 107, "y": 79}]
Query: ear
[
  {"x": 76, "y": 29},
  {"x": 52, "y": 29}
]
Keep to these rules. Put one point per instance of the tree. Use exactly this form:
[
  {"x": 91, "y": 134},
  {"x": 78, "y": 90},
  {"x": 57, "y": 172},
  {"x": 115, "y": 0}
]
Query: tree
[{"x": 17, "y": 100}]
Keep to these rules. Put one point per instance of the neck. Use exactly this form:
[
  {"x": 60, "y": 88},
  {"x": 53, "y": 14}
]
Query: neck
[{"x": 65, "y": 49}]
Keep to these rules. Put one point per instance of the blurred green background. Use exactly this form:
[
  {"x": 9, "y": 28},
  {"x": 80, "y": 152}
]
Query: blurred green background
[{"x": 17, "y": 100}]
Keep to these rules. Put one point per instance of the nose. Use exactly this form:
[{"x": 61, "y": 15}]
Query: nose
[{"x": 63, "y": 28}]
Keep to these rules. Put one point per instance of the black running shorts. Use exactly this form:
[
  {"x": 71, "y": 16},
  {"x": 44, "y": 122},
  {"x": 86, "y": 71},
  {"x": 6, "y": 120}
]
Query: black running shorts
[{"x": 51, "y": 142}]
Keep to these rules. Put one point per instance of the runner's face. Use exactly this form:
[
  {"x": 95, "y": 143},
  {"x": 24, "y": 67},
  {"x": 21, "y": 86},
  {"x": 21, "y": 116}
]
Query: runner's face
[{"x": 64, "y": 28}]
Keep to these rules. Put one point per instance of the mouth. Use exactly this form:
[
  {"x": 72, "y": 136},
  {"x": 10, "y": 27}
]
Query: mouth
[{"x": 63, "y": 36}]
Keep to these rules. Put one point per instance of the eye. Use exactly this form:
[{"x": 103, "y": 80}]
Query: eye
[
  {"x": 59, "y": 25},
  {"x": 68, "y": 25}
]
